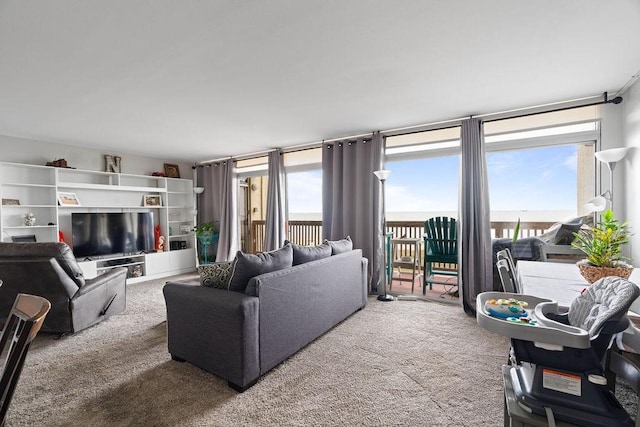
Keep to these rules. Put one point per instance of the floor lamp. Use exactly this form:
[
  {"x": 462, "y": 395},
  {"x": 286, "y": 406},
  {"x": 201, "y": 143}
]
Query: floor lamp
[
  {"x": 382, "y": 175},
  {"x": 610, "y": 158}
]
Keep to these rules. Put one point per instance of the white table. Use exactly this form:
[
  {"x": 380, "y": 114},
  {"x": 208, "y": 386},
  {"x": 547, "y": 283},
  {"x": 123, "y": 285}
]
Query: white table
[{"x": 558, "y": 281}]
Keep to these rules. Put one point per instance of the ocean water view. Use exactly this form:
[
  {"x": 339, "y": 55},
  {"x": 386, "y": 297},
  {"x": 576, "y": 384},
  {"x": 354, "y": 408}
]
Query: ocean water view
[{"x": 525, "y": 216}]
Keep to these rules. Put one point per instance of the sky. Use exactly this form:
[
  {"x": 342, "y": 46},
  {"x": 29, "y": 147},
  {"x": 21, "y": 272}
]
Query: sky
[{"x": 531, "y": 179}]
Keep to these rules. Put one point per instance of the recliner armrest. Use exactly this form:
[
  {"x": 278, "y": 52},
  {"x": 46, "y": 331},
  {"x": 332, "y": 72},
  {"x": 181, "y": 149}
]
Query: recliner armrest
[{"x": 117, "y": 274}]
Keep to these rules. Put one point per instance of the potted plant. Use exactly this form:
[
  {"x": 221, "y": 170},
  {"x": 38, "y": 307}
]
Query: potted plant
[
  {"x": 603, "y": 246},
  {"x": 207, "y": 234},
  {"x": 206, "y": 229}
]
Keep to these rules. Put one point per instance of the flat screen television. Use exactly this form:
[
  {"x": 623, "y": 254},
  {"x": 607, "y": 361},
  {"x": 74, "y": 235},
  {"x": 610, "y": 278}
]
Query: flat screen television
[{"x": 97, "y": 234}]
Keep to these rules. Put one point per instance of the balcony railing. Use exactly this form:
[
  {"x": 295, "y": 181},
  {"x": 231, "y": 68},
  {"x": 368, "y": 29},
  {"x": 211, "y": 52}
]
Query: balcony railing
[{"x": 310, "y": 232}]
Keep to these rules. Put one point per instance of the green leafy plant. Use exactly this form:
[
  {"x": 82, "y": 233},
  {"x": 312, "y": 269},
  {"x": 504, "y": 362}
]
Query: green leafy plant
[
  {"x": 516, "y": 232},
  {"x": 206, "y": 228},
  {"x": 603, "y": 243}
]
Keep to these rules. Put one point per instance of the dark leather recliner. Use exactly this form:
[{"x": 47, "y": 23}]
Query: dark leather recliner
[{"x": 50, "y": 270}]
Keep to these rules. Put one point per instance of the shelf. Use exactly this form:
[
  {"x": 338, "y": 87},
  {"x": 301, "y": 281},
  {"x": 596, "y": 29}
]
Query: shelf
[
  {"x": 109, "y": 267},
  {"x": 108, "y": 207},
  {"x": 27, "y": 206},
  {"x": 175, "y": 236},
  {"x": 21, "y": 227},
  {"x": 19, "y": 184},
  {"x": 110, "y": 187}
]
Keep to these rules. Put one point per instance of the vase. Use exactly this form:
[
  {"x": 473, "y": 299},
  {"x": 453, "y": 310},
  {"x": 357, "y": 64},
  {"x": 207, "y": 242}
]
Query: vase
[
  {"x": 591, "y": 273},
  {"x": 206, "y": 239},
  {"x": 30, "y": 219}
]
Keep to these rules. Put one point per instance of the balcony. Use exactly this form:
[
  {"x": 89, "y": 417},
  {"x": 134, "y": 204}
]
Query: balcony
[{"x": 310, "y": 232}]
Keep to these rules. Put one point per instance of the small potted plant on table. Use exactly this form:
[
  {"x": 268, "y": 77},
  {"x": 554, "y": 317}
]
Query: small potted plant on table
[
  {"x": 603, "y": 246},
  {"x": 207, "y": 234}
]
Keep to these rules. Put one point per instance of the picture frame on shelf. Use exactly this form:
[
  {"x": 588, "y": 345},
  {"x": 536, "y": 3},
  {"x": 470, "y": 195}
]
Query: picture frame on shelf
[
  {"x": 152, "y": 200},
  {"x": 68, "y": 199},
  {"x": 171, "y": 170},
  {"x": 185, "y": 229},
  {"x": 11, "y": 202}
]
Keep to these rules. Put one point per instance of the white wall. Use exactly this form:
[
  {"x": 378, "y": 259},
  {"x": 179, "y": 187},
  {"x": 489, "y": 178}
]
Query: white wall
[
  {"x": 19, "y": 150},
  {"x": 630, "y": 167}
]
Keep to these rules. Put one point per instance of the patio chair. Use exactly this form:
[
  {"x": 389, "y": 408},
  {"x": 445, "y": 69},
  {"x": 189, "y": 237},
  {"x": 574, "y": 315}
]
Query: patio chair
[
  {"x": 507, "y": 271},
  {"x": 22, "y": 325},
  {"x": 506, "y": 277},
  {"x": 440, "y": 247}
]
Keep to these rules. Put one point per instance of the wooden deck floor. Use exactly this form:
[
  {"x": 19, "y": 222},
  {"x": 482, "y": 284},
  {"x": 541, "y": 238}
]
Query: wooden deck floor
[{"x": 443, "y": 293}]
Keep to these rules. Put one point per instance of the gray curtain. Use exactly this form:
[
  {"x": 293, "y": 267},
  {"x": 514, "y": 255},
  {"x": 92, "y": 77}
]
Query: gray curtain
[
  {"x": 351, "y": 202},
  {"x": 276, "y": 215},
  {"x": 474, "y": 238},
  {"x": 219, "y": 203}
]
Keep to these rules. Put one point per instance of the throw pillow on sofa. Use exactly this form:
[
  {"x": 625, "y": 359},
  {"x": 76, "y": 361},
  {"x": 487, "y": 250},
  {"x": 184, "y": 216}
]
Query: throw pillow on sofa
[
  {"x": 302, "y": 254},
  {"x": 216, "y": 275},
  {"x": 340, "y": 246},
  {"x": 247, "y": 266}
]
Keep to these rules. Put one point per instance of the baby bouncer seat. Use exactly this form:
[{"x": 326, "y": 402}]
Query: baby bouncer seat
[{"x": 556, "y": 362}]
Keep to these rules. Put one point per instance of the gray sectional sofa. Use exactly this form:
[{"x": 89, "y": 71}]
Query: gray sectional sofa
[{"x": 241, "y": 336}]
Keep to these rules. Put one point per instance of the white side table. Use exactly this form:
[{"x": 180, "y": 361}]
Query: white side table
[{"x": 409, "y": 261}]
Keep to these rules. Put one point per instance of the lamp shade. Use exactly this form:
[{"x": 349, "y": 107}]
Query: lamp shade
[
  {"x": 597, "y": 204},
  {"x": 612, "y": 155},
  {"x": 382, "y": 174}
]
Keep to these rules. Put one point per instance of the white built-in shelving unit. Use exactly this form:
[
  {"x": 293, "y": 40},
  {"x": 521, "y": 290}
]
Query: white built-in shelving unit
[{"x": 35, "y": 189}]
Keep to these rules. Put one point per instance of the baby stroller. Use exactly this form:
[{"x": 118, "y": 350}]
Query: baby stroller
[{"x": 556, "y": 362}]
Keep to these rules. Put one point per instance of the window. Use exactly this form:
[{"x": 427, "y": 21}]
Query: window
[
  {"x": 304, "y": 198},
  {"x": 549, "y": 183},
  {"x": 424, "y": 175}
]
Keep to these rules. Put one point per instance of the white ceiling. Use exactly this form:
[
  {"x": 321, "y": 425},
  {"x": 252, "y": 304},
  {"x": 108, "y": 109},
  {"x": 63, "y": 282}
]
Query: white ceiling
[{"x": 196, "y": 80}]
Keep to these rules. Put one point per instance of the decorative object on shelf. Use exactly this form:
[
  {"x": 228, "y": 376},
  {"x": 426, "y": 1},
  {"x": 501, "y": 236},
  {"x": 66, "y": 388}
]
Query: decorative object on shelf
[
  {"x": 198, "y": 190},
  {"x": 207, "y": 234},
  {"x": 185, "y": 229},
  {"x": 152, "y": 200},
  {"x": 603, "y": 246},
  {"x": 59, "y": 163},
  {"x": 112, "y": 163},
  {"x": 11, "y": 202},
  {"x": 23, "y": 238},
  {"x": 135, "y": 271},
  {"x": 68, "y": 199},
  {"x": 60, "y": 236},
  {"x": 30, "y": 219},
  {"x": 157, "y": 173},
  {"x": 171, "y": 171},
  {"x": 158, "y": 239}
]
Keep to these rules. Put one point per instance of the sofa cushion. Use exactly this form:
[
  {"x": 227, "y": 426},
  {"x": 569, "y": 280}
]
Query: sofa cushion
[
  {"x": 247, "y": 266},
  {"x": 340, "y": 246},
  {"x": 302, "y": 254},
  {"x": 216, "y": 275}
]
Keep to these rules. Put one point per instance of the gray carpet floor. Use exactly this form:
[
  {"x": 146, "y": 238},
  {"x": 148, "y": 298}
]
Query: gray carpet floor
[{"x": 399, "y": 363}]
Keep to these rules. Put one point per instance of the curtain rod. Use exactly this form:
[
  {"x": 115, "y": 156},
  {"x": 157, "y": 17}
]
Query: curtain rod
[
  {"x": 580, "y": 103},
  {"x": 446, "y": 124}
]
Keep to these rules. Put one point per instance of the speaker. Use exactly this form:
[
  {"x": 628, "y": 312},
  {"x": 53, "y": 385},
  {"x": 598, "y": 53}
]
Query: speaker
[{"x": 174, "y": 245}]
